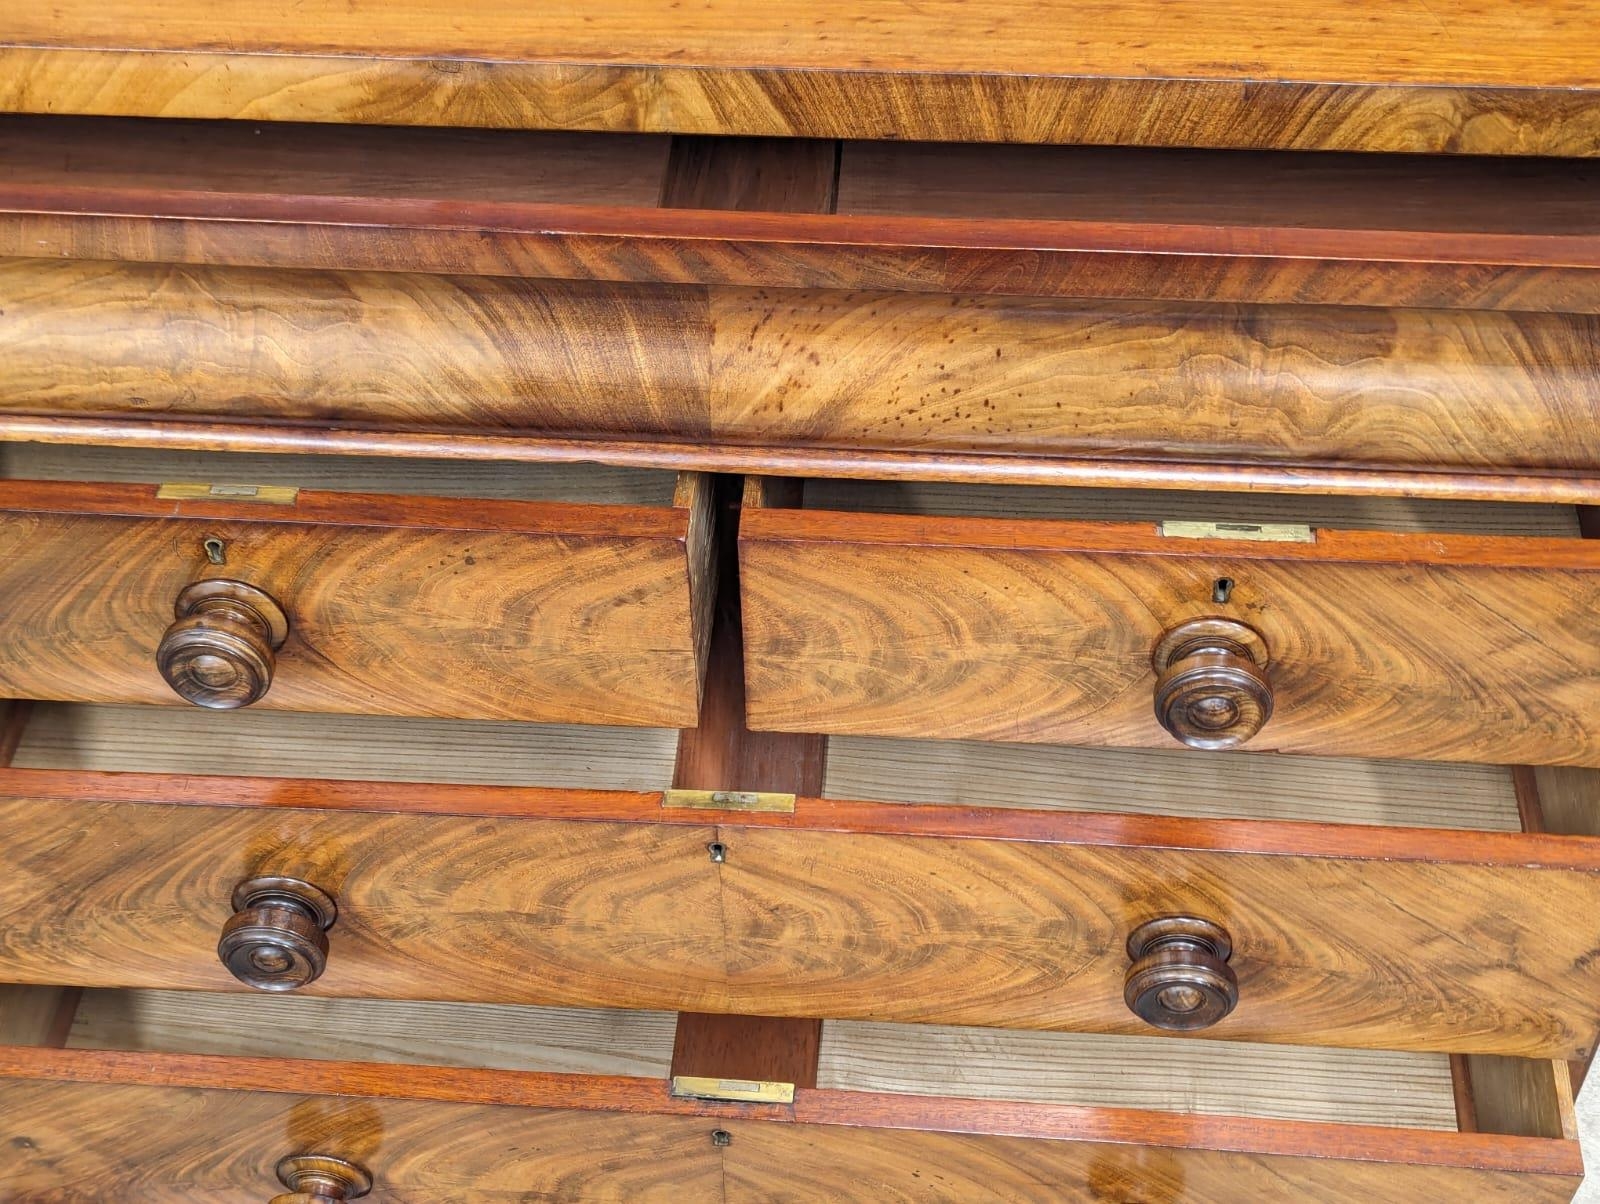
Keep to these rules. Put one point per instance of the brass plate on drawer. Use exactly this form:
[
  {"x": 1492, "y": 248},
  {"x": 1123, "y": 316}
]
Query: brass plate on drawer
[
  {"x": 271, "y": 495},
  {"x": 727, "y": 800},
  {"x": 1255, "y": 532},
  {"x": 743, "y": 1091}
]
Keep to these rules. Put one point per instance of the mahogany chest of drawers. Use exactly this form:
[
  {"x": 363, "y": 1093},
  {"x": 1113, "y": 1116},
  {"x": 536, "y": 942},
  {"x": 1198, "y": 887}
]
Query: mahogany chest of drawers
[{"x": 798, "y": 612}]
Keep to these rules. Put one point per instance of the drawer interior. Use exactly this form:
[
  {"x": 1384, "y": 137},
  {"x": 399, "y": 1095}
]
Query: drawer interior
[
  {"x": 1344, "y": 1086},
  {"x": 580, "y": 483},
  {"x": 1090, "y": 184},
  {"x": 945, "y": 499}
]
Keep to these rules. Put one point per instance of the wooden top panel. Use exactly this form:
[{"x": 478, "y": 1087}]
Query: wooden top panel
[
  {"x": 1461, "y": 42},
  {"x": 1472, "y": 76}
]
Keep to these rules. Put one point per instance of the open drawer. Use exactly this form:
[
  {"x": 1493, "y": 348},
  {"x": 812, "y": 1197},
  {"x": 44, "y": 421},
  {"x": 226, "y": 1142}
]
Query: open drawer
[
  {"x": 596, "y": 888},
  {"x": 1217, "y": 319},
  {"x": 179, "y": 1096},
  {"x": 536, "y": 594},
  {"x": 1443, "y": 631}
]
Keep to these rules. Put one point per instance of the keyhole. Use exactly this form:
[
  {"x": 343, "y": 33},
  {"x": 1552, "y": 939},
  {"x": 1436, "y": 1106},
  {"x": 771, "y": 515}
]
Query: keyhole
[
  {"x": 216, "y": 550},
  {"x": 1222, "y": 589},
  {"x": 718, "y": 851}
]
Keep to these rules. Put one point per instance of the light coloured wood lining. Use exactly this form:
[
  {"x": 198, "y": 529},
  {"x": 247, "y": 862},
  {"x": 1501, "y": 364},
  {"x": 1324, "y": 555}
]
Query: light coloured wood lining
[
  {"x": 335, "y": 160},
  {"x": 355, "y": 474},
  {"x": 283, "y": 744},
  {"x": 1133, "y": 505},
  {"x": 565, "y": 1040},
  {"x": 1179, "y": 782},
  {"x": 1348, "y": 1086}
]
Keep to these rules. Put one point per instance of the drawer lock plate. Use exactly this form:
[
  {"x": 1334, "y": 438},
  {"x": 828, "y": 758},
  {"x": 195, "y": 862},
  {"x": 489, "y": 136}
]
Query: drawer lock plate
[
  {"x": 1255, "y": 532},
  {"x": 269, "y": 495},
  {"x": 739, "y": 1091},
  {"x": 727, "y": 800}
]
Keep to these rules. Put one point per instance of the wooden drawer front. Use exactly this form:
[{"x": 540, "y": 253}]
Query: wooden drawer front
[
  {"x": 173, "y": 1128},
  {"x": 1410, "y": 389},
  {"x": 473, "y": 353},
  {"x": 1403, "y": 938},
  {"x": 1423, "y": 647},
  {"x": 400, "y": 606}
]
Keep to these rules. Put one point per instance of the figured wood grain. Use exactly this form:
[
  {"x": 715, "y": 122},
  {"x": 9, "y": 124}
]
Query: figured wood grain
[
  {"x": 1475, "y": 77},
  {"x": 418, "y": 606},
  {"x": 875, "y": 1145},
  {"x": 561, "y": 1040},
  {"x": 1344, "y": 936},
  {"x": 1380, "y": 389},
  {"x": 1448, "y": 647}
]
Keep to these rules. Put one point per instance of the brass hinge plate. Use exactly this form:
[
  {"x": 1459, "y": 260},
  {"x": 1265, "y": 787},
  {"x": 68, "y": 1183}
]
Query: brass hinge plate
[
  {"x": 727, "y": 800},
  {"x": 739, "y": 1091},
  {"x": 1254, "y": 532},
  {"x": 270, "y": 495}
]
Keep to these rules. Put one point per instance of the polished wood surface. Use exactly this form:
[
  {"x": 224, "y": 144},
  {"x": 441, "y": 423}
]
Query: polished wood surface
[
  {"x": 817, "y": 372},
  {"x": 1474, "y": 77},
  {"x": 1381, "y": 644},
  {"x": 389, "y": 600},
  {"x": 1342, "y": 935},
  {"x": 869, "y": 1147},
  {"x": 1127, "y": 259}
]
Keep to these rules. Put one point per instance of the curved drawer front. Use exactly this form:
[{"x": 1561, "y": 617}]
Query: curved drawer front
[
  {"x": 1446, "y": 647},
  {"x": 1402, "y": 938},
  {"x": 88, "y": 1126},
  {"x": 386, "y": 605},
  {"x": 1464, "y": 391}
]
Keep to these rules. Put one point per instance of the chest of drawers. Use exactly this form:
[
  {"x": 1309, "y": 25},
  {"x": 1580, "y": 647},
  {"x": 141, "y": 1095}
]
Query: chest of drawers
[{"x": 594, "y": 658}]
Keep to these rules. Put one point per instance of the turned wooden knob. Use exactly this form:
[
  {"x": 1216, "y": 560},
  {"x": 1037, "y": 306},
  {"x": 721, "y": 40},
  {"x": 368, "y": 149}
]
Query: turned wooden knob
[
  {"x": 314, "y": 1178},
  {"x": 218, "y": 653},
  {"x": 1180, "y": 979},
  {"x": 1211, "y": 691},
  {"x": 277, "y": 939}
]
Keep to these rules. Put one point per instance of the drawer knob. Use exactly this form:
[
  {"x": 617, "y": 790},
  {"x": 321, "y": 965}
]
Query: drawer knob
[
  {"x": 1180, "y": 979},
  {"x": 277, "y": 939},
  {"x": 314, "y": 1178},
  {"x": 1211, "y": 687},
  {"x": 218, "y": 653}
]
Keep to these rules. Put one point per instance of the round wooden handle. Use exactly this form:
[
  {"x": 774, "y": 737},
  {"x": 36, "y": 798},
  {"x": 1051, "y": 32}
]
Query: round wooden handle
[
  {"x": 1211, "y": 691},
  {"x": 277, "y": 939},
  {"x": 317, "y": 1178},
  {"x": 1180, "y": 979},
  {"x": 218, "y": 653}
]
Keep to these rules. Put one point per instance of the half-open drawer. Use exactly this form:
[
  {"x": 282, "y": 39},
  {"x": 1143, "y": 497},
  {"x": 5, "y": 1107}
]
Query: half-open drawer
[
  {"x": 1047, "y": 314},
  {"x": 87, "y": 1125},
  {"x": 1449, "y": 632},
  {"x": 1302, "y": 933},
  {"x": 225, "y": 595}
]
